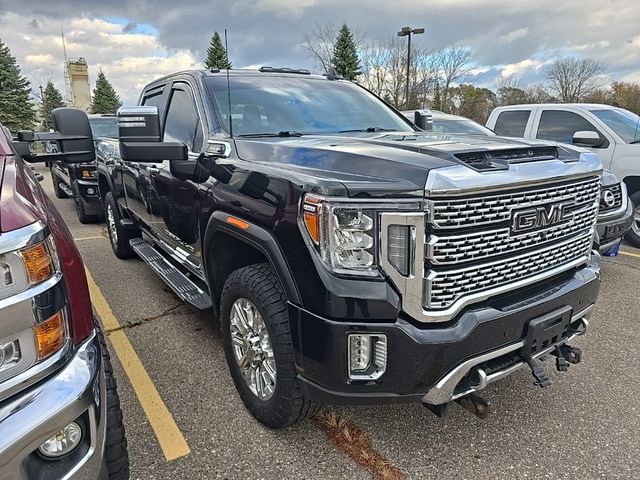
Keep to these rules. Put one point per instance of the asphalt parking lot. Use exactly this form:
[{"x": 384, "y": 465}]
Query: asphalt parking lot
[{"x": 587, "y": 425}]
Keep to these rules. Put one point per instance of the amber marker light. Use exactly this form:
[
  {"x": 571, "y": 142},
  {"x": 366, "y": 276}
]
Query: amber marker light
[
  {"x": 50, "y": 335},
  {"x": 236, "y": 222},
  {"x": 311, "y": 216},
  {"x": 37, "y": 262}
]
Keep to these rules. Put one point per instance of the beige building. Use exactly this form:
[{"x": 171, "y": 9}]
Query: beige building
[{"x": 79, "y": 83}]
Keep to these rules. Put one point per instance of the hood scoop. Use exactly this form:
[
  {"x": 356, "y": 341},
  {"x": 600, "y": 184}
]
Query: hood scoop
[{"x": 485, "y": 160}]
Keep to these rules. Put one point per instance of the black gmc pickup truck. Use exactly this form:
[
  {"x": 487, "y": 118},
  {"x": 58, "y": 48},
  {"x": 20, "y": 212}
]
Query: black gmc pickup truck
[{"x": 349, "y": 257}]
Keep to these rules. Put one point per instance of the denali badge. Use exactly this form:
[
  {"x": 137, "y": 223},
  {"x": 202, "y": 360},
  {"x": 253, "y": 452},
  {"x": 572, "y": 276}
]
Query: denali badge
[{"x": 541, "y": 216}]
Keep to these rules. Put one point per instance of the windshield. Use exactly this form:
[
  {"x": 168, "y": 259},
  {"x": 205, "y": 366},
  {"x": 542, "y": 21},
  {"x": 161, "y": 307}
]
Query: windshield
[
  {"x": 625, "y": 123},
  {"x": 467, "y": 127},
  {"x": 104, "y": 127},
  {"x": 269, "y": 104}
]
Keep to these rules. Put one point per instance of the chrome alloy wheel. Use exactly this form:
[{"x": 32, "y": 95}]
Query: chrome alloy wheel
[
  {"x": 252, "y": 348},
  {"x": 635, "y": 226},
  {"x": 111, "y": 225}
]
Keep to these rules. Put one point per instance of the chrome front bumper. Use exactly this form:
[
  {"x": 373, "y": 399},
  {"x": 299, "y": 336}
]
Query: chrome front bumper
[
  {"x": 445, "y": 390},
  {"x": 29, "y": 418}
]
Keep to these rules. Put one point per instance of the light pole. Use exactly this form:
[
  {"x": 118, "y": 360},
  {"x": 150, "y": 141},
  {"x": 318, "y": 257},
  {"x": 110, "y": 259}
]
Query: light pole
[{"x": 406, "y": 32}]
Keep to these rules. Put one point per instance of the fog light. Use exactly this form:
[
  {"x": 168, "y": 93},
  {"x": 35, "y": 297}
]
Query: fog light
[
  {"x": 367, "y": 356},
  {"x": 91, "y": 191},
  {"x": 62, "y": 442}
]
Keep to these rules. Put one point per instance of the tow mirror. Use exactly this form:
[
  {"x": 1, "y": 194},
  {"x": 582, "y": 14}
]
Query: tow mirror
[
  {"x": 140, "y": 137},
  {"x": 72, "y": 134},
  {"x": 423, "y": 119},
  {"x": 588, "y": 138}
]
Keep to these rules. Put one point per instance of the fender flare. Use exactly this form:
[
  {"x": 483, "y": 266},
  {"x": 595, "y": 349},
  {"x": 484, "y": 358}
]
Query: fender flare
[{"x": 260, "y": 239}]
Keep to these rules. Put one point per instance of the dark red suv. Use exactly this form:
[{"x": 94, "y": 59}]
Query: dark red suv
[{"x": 59, "y": 409}]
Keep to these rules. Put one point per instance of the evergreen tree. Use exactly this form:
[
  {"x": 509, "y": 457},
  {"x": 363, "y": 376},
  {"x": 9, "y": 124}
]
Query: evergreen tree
[
  {"x": 16, "y": 110},
  {"x": 217, "y": 54},
  {"x": 105, "y": 98},
  {"x": 345, "y": 55},
  {"x": 51, "y": 98}
]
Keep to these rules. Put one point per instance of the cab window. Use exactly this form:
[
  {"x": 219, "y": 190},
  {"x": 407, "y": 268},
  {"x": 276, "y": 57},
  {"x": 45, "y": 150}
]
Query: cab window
[
  {"x": 512, "y": 123},
  {"x": 182, "y": 123}
]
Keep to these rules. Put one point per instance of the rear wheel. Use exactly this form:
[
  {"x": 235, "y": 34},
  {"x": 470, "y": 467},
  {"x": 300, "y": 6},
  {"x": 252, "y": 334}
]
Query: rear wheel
[
  {"x": 118, "y": 234},
  {"x": 257, "y": 340},
  {"x": 633, "y": 235},
  {"x": 59, "y": 193}
]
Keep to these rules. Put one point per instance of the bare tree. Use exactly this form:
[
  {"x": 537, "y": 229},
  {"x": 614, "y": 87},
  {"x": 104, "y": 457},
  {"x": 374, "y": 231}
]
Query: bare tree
[
  {"x": 572, "y": 78},
  {"x": 453, "y": 63}
]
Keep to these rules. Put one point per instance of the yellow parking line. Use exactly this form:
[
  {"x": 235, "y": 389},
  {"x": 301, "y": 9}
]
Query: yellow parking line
[
  {"x": 169, "y": 436},
  {"x": 89, "y": 238},
  {"x": 630, "y": 254}
]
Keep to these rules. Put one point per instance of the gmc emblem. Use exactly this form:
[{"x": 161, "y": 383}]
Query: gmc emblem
[{"x": 541, "y": 216}]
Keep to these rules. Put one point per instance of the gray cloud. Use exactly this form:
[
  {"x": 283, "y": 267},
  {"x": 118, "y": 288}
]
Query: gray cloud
[
  {"x": 129, "y": 27},
  {"x": 271, "y": 31}
]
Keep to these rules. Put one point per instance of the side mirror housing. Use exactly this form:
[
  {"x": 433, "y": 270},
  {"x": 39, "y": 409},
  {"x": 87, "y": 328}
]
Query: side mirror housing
[
  {"x": 139, "y": 124},
  {"x": 423, "y": 119},
  {"x": 588, "y": 138},
  {"x": 140, "y": 137}
]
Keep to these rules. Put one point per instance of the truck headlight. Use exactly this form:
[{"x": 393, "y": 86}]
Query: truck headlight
[{"x": 21, "y": 269}]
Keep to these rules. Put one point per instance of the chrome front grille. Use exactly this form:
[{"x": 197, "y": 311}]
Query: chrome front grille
[
  {"x": 494, "y": 208},
  {"x": 616, "y": 191},
  {"x": 474, "y": 249},
  {"x": 453, "y": 249},
  {"x": 449, "y": 286}
]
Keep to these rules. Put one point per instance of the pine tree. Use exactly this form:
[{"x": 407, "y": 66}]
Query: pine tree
[
  {"x": 345, "y": 55},
  {"x": 16, "y": 110},
  {"x": 51, "y": 98},
  {"x": 105, "y": 98},
  {"x": 217, "y": 54}
]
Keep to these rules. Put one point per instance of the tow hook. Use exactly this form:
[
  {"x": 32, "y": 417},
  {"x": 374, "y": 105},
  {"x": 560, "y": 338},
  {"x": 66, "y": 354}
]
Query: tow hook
[
  {"x": 565, "y": 355},
  {"x": 470, "y": 402}
]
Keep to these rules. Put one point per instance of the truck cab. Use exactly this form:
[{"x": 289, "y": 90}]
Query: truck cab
[
  {"x": 612, "y": 133},
  {"x": 349, "y": 257}
]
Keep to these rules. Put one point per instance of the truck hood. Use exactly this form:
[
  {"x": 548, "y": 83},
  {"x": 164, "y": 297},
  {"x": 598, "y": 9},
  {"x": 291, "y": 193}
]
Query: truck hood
[{"x": 370, "y": 164}]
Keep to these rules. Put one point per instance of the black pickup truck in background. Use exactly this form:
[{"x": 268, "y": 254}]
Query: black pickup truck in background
[
  {"x": 79, "y": 182},
  {"x": 349, "y": 257}
]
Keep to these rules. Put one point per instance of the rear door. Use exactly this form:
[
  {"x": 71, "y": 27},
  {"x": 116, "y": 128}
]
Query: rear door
[
  {"x": 559, "y": 124},
  {"x": 172, "y": 205}
]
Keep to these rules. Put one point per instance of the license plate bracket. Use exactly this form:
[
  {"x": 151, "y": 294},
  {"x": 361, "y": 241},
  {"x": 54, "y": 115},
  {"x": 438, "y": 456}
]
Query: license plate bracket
[{"x": 546, "y": 331}]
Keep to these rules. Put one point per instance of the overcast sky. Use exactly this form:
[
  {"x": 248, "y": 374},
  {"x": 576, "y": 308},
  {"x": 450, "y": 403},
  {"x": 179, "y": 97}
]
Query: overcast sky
[{"x": 136, "y": 41}]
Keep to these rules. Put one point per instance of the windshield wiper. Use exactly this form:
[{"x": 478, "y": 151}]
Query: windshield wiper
[
  {"x": 283, "y": 133},
  {"x": 368, "y": 129}
]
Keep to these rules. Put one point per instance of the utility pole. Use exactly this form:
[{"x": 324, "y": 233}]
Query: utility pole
[{"x": 406, "y": 32}]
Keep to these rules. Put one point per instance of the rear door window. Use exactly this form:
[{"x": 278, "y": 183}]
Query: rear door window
[
  {"x": 560, "y": 126},
  {"x": 512, "y": 123}
]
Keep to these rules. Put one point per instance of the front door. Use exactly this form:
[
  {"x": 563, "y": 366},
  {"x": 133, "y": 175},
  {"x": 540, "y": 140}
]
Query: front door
[
  {"x": 561, "y": 125},
  {"x": 172, "y": 203}
]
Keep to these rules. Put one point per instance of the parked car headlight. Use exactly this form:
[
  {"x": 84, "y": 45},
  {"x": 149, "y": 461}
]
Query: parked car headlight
[
  {"x": 21, "y": 269},
  {"x": 345, "y": 233}
]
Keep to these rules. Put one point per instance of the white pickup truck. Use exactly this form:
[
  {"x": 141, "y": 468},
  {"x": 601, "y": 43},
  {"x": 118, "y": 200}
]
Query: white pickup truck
[{"x": 610, "y": 132}]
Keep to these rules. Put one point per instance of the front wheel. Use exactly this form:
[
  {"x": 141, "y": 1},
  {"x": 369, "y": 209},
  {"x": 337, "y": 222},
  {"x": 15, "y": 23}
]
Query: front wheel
[
  {"x": 257, "y": 340},
  {"x": 79, "y": 203},
  {"x": 118, "y": 234},
  {"x": 633, "y": 235}
]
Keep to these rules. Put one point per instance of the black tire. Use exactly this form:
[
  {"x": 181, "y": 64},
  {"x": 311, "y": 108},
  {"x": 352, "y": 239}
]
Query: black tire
[
  {"x": 115, "y": 450},
  {"x": 260, "y": 285},
  {"x": 77, "y": 200},
  {"x": 633, "y": 235},
  {"x": 119, "y": 236},
  {"x": 58, "y": 192}
]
